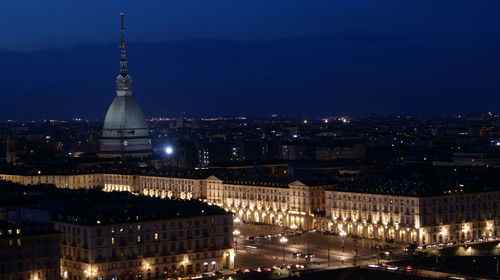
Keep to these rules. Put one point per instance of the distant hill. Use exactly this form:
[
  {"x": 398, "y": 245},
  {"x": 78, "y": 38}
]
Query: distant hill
[{"x": 334, "y": 73}]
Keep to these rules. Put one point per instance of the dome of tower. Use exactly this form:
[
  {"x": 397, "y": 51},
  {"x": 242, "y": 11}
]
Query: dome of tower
[{"x": 125, "y": 113}]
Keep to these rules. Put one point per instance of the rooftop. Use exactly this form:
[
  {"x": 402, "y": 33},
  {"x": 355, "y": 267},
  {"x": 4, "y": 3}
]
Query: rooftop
[
  {"x": 13, "y": 230},
  {"x": 424, "y": 181},
  {"x": 93, "y": 207}
]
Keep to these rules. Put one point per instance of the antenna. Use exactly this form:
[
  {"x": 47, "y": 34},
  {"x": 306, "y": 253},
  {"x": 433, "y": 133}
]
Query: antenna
[{"x": 123, "y": 51}]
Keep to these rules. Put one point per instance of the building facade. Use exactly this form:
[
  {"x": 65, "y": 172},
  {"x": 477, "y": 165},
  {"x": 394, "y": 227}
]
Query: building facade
[
  {"x": 414, "y": 219},
  {"x": 277, "y": 203},
  {"x": 70, "y": 181},
  {"x": 29, "y": 251},
  {"x": 402, "y": 217},
  {"x": 146, "y": 250}
]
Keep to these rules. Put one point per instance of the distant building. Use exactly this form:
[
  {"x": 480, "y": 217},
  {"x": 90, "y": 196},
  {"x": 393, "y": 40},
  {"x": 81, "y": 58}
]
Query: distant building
[
  {"x": 477, "y": 158},
  {"x": 125, "y": 132},
  {"x": 334, "y": 150},
  {"x": 487, "y": 157},
  {"x": 29, "y": 251},
  {"x": 10, "y": 149}
]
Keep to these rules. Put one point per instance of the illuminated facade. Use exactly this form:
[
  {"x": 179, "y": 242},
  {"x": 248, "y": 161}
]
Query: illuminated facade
[
  {"x": 70, "y": 181},
  {"x": 278, "y": 203},
  {"x": 414, "y": 219},
  {"x": 424, "y": 219},
  {"x": 156, "y": 186},
  {"x": 183, "y": 188}
]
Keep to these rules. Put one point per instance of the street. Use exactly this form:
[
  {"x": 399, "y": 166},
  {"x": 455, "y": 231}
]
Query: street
[{"x": 278, "y": 247}]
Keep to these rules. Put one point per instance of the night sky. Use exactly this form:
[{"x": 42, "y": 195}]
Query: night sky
[{"x": 59, "y": 58}]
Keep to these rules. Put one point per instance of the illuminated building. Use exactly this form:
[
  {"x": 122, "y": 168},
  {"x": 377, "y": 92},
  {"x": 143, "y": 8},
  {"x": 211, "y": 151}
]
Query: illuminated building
[
  {"x": 279, "y": 203},
  {"x": 406, "y": 211}
]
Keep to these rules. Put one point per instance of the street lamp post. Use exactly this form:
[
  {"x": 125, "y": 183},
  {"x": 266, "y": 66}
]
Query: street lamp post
[
  {"x": 328, "y": 254},
  {"x": 236, "y": 233},
  {"x": 355, "y": 250},
  {"x": 283, "y": 241},
  {"x": 293, "y": 227},
  {"x": 343, "y": 234}
]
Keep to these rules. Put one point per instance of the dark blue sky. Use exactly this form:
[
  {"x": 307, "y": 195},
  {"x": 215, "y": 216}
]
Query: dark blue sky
[{"x": 252, "y": 57}]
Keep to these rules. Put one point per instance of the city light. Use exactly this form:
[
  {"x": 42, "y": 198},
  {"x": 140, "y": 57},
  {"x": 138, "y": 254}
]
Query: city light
[
  {"x": 343, "y": 234},
  {"x": 283, "y": 241},
  {"x": 169, "y": 150}
]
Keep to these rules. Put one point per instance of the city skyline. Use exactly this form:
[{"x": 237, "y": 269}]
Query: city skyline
[{"x": 249, "y": 140}]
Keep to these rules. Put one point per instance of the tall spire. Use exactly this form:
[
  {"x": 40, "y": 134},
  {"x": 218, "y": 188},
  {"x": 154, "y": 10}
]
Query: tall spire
[
  {"x": 123, "y": 81},
  {"x": 123, "y": 49}
]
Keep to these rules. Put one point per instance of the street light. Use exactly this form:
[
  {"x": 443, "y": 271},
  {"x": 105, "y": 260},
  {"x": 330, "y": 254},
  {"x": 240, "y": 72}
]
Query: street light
[
  {"x": 293, "y": 227},
  {"x": 169, "y": 150},
  {"x": 237, "y": 220},
  {"x": 283, "y": 241},
  {"x": 236, "y": 233},
  {"x": 343, "y": 234}
]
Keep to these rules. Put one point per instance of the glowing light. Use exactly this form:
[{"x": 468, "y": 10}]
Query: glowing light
[{"x": 169, "y": 150}]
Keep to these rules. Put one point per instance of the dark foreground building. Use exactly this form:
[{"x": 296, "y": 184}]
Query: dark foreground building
[
  {"x": 29, "y": 251},
  {"x": 119, "y": 235}
]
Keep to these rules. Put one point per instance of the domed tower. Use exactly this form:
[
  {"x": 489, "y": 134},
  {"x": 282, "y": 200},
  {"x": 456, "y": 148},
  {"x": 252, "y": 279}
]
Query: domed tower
[{"x": 125, "y": 132}]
